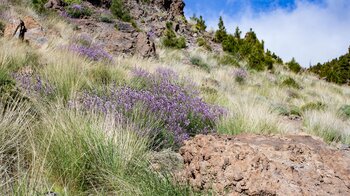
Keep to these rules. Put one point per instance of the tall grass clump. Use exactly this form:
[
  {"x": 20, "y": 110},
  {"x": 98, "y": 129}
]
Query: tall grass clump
[
  {"x": 249, "y": 116},
  {"x": 92, "y": 154},
  {"x": 344, "y": 111},
  {"x": 326, "y": 125},
  {"x": 198, "y": 61},
  {"x": 290, "y": 82},
  {"x": 16, "y": 123}
]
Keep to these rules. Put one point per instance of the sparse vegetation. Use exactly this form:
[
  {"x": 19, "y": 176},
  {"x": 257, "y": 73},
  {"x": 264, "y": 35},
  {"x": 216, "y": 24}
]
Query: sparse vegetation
[
  {"x": 76, "y": 120},
  {"x": 171, "y": 40},
  {"x": 198, "y": 61},
  {"x": 118, "y": 9},
  {"x": 290, "y": 82},
  {"x": 78, "y": 11},
  {"x": 203, "y": 43}
]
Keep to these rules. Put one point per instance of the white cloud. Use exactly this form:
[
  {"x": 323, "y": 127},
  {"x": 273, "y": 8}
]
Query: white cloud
[{"x": 311, "y": 32}]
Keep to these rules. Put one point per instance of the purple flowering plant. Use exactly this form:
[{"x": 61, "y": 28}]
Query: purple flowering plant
[
  {"x": 33, "y": 85},
  {"x": 240, "y": 75},
  {"x": 177, "y": 107},
  {"x": 77, "y": 11},
  {"x": 84, "y": 46}
]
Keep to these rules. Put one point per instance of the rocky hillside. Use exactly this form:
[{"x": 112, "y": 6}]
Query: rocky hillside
[{"x": 111, "y": 97}]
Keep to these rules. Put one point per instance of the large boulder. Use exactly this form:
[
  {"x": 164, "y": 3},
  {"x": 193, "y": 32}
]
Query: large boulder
[
  {"x": 144, "y": 46},
  {"x": 263, "y": 165}
]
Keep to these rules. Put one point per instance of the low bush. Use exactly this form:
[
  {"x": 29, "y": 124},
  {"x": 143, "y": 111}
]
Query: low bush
[
  {"x": 39, "y": 5},
  {"x": 228, "y": 60},
  {"x": 294, "y": 66},
  {"x": 287, "y": 110},
  {"x": 344, "y": 111},
  {"x": 171, "y": 40},
  {"x": 203, "y": 43},
  {"x": 158, "y": 97},
  {"x": 118, "y": 9},
  {"x": 78, "y": 11},
  {"x": 314, "y": 106},
  {"x": 106, "y": 18},
  {"x": 240, "y": 75},
  {"x": 198, "y": 61},
  {"x": 290, "y": 82}
]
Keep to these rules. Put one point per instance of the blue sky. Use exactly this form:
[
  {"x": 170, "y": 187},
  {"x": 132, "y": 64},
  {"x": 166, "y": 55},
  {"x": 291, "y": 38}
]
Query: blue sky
[{"x": 310, "y": 30}]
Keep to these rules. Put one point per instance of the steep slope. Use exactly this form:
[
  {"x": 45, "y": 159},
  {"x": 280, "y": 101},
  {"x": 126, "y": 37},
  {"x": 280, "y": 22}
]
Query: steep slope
[{"x": 84, "y": 114}]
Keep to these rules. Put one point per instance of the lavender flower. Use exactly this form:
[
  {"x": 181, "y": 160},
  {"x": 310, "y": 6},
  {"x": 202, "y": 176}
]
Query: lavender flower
[
  {"x": 240, "y": 75},
  {"x": 33, "y": 85},
  {"x": 94, "y": 53},
  {"x": 181, "y": 113}
]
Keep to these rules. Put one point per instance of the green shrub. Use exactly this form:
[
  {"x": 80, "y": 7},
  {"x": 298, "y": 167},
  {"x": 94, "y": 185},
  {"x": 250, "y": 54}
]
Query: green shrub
[
  {"x": 106, "y": 18},
  {"x": 290, "y": 82},
  {"x": 203, "y": 43},
  {"x": 70, "y": 2},
  {"x": 117, "y": 8},
  {"x": 294, "y": 66},
  {"x": 39, "y": 5},
  {"x": 228, "y": 59},
  {"x": 196, "y": 60},
  {"x": 171, "y": 40},
  {"x": 78, "y": 11},
  {"x": 286, "y": 110},
  {"x": 344, "y": 111},
  {"x": 314, "y": 106}
]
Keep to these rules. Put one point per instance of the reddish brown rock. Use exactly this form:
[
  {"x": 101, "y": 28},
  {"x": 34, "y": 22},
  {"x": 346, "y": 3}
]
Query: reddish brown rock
[
  {"x": 144, "y": 46},
  {"x": 262, "y": 165}
]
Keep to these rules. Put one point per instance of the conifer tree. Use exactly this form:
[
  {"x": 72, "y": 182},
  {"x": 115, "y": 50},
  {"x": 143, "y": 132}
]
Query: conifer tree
[
  {"x": 237, "y": 33},
  {"x": 200, "y": 24},
  {"x": 221, "y": 33}
]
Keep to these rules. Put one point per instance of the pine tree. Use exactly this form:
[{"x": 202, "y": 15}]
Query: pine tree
[
  {"x": 237, "y": 33},
  {"x": 221, "y": 33},
  {"x": 200, "y": 24}
]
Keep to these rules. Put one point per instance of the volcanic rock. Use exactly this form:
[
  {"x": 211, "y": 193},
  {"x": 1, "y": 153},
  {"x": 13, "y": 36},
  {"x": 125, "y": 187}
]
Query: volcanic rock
[{"x": 263, "y": 165}]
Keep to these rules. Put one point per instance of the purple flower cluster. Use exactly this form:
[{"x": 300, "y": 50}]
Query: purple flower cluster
[
  {"x": 92, "y": 52},
  {"x": 33, "y": 84},
  {"x": 77, "y": 7},
  {"x": 181, "y": 112},
  {"x": 84, "y": 45},
  {"x": 240, "y": 74},
  {"x": 78, "y": 11}
]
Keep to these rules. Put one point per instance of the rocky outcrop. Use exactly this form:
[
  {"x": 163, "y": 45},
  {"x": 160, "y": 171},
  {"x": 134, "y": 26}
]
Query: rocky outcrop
[
  {"x": 173, "y": 7},
  {"x": 35, "y": 33},
  {"x": 144, "y": 46},
  {"x": 54, "y": 4},
  {"x": 262, "y": 165}
]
